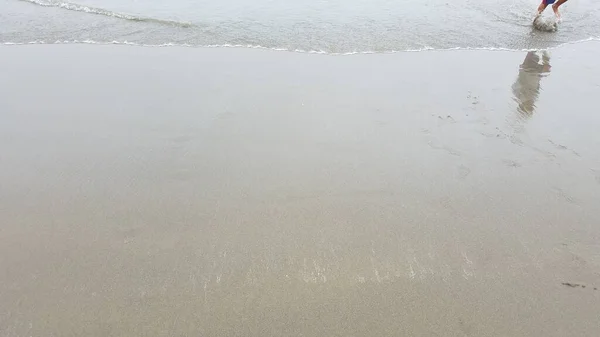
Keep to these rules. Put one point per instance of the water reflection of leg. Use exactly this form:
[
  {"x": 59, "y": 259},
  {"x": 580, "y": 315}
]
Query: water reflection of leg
[
  {"x": 526, "y": 88},
  {"x": 545, "y": 62}
]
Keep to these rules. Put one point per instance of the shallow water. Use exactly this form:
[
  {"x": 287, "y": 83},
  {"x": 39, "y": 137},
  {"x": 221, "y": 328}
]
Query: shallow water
[{"x": 334, "y": 26}]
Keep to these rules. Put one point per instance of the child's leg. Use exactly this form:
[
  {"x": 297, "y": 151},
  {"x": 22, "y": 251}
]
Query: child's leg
[
  {"x": 542, "y": 7},
  {"x": 556, "y": 5}
]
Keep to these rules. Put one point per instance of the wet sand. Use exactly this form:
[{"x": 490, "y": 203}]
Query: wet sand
[{"x": 231, "y": 192}]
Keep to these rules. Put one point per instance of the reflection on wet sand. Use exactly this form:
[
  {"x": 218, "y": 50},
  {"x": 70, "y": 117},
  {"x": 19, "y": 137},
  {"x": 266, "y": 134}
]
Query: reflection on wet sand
[
  {"x": 526, "y": 88},
  {"x": 278, "y": 194}
]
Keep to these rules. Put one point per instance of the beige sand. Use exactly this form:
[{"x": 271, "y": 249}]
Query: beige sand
[{"x": 228, "y": 192}]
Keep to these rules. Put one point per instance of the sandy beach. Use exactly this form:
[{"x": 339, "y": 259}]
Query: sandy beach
[{"x": 239, "y": 192}]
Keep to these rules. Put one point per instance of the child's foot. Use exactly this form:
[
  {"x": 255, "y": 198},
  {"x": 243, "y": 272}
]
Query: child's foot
[{"x": 556, "y": 12}]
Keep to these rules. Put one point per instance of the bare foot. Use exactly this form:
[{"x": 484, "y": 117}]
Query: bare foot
[{"x": 556, "y": 12}]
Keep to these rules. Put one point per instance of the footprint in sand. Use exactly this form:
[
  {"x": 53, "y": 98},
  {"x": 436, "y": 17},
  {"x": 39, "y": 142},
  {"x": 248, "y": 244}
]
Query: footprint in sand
[
  {"x": 463, "y": 172},
  {"x": 561, "y": 193},
  {"x": 576, "y": 285},
  {"x": 596, "y": 175},
  {"x": 511, "y": 163},
  {"x": 474, "y": 99},
  {"x": 446, "y": 120},
  {"x": 562, "y": 147},
  {"x": 444, "y": 148}
]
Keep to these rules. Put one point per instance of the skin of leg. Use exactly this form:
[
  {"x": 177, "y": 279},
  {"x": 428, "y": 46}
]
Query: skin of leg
[
  {"x": 542, "y": 7},
  {"x": 556, "y": 5}
]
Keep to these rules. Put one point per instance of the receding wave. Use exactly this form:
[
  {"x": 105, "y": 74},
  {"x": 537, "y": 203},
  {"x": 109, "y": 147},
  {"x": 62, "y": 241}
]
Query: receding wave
[
  {"x": 100, "y": 11},
  {"x": 250, "y": 46}
]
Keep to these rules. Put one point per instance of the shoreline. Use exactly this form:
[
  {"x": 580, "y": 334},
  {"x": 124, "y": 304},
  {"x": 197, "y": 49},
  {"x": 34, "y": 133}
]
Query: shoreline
[{"x": 277, "y": 49}]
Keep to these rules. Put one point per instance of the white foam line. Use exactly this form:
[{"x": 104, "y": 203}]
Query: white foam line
[
  {"x": 105, "y": 12},
  {"x": 321, "y": 52}
]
